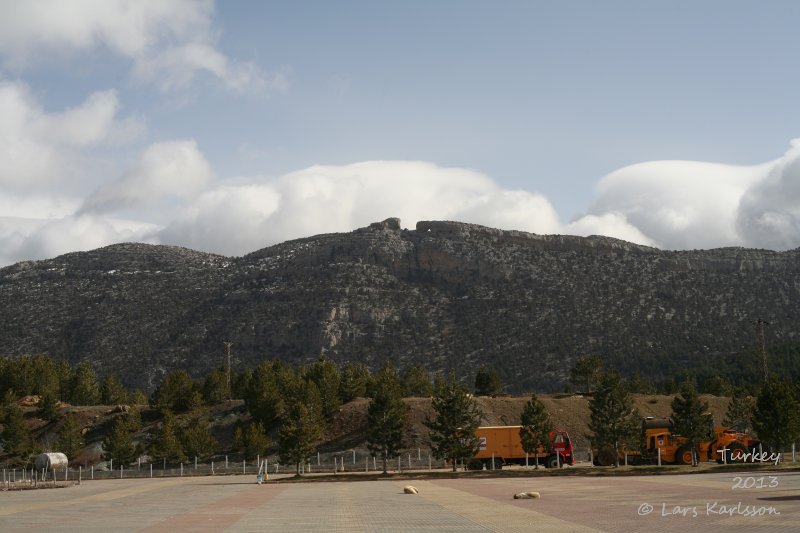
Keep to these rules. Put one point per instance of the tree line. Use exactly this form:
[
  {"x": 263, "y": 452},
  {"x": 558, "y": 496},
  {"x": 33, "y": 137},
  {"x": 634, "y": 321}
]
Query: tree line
[
  {"x": 289, "y": 403},
  {"x": 772, "y": 413}
]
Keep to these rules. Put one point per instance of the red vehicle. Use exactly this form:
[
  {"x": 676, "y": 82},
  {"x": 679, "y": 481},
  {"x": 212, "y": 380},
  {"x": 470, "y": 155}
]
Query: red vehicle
[{"x": 502, "y": 444}]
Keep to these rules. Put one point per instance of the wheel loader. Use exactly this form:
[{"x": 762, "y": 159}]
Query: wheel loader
[{"x": 722, "y": 445}]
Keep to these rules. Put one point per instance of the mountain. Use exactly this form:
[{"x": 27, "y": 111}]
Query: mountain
[{"x": 446, "y": 294}]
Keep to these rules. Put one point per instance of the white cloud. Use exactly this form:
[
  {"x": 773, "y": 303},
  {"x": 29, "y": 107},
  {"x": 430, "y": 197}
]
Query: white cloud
[
  {"x": 672, "y": 204},
  {"x": 28, "y": 238},
  {"x": 323, "y": 199},
  {"x": 610, "y": 225},
  {"x": 768, "y": 214},
  {"x": 678, "y": 204},
  {"x": 169, "y": 41},
  {"x": 230, "y": 220},
  {"x": 38, "y": 148},
  {"x": 166, "y": 170}
]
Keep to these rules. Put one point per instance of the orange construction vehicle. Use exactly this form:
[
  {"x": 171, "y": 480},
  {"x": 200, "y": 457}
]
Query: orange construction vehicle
[
  {"x": 659, "y": 442},
  {"x": 722, "y": 444},
  {"x": 502, "y": 445}
]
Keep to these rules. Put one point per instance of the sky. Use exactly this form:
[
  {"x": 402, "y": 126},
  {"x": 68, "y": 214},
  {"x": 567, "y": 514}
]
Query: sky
[{"x": 230, "y": 126}]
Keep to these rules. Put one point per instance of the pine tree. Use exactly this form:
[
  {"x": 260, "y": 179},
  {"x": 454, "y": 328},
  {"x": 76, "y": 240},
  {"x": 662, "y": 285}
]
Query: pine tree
[
  {"x": 64, "y": 376},
  {"x": 587, "y": 371},
  {"x": 690, "y": 416},
  {"x": 118, "y": 444},
  {"x": 353, "y": 384},
  {"x": 138, "y": 397},
  {"x": 487, "y": 382},
  {"x": 614, "y": 421},
  {"x": 386, "y": 417},
  {"x": 177, "y": 392},
  {"x": 16, "y": 438},
  {"x": 84, "y": 389},
  {"x": 264, "y": 392},
  {"x": 252, "y": 441},
  {"x": 536, "y": 427},
  {"x": 417, "y": 382},
  {"x": 741, "y": 407},
  {"x": 45, "y": 376},
  {"x": 167, "y": 446},
  {"x": 452, "y": 431},
  {"x": 197, "y": 441},
  {"x": 776, "y": 418},
  {"x": 112, "y": 392},
  {"x": 301, "y": 423},
  {"x": 48, "y": 407},
  {"x": 70, "y": 438},
  {"x": 325, "y": 375},
  {"x": 215, "y": 387},
  {"x": 256, "y": 440}
]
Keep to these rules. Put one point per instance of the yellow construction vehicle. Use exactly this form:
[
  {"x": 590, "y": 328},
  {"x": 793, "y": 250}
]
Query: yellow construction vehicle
[{"x": 661, "y": 444}]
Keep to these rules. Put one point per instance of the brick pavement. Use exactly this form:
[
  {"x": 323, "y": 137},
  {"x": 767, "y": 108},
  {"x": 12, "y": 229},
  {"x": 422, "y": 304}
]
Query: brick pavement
[{"x": 581, "y": 504}]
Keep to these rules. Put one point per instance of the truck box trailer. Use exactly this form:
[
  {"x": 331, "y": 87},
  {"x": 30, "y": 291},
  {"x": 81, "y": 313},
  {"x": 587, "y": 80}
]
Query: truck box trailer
[{"x": 503, "y": 445}]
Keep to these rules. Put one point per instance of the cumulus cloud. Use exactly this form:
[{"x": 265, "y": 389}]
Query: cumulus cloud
[
  {"x": 28, "y": 238},
  {"x": 166, "y": 170},
  {"x": 610, "y": 225},
  {"x": 768, "y": 215},
  {"x": 670, "y": 204},
  {"x": 169, "y": 42},
  {"x": 676, "y": 204},
  {"x": 235, "y": 219},
  {"x": 38, "y": 148}
]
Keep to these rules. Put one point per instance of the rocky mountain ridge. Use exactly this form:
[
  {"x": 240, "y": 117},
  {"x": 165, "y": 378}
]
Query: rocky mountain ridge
[{"x": 446, "y": 294}]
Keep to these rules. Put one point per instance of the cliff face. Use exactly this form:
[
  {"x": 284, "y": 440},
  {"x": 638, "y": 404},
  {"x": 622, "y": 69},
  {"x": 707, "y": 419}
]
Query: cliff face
[{"x": 447, "y": 294}]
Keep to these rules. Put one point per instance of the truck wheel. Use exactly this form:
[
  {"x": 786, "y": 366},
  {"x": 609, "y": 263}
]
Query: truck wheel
[
  {"x": 736, "y": 452},
  {"x": 552, "y": 462},
  {"x": 684, "y": 455},
  {"x": 605, "y": 456},
  {"x": 475, "y": 464}
]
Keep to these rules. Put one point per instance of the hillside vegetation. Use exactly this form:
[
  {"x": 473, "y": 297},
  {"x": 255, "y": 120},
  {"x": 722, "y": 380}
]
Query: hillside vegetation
[{"x": 445, "y": 295}]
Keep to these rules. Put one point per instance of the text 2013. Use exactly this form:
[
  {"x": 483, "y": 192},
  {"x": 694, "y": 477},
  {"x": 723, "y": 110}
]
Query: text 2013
[{"x": 750, "y": 482}]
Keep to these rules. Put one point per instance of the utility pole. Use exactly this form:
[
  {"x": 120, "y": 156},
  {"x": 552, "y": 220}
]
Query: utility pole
[
  {"x": 228, "y": 348},
  {"x": 762, "y": 346}
]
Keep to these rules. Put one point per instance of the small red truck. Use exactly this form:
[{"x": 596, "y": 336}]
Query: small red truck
[{"x": 502, "y": 444}]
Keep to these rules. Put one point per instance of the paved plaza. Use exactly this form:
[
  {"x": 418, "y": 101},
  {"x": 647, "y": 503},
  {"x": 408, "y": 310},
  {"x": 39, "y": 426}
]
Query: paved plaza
[{"x": 703, "y": 502}]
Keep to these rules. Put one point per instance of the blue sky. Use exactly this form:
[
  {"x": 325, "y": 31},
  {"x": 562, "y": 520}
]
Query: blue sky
[{"x": 230, "y": 126}]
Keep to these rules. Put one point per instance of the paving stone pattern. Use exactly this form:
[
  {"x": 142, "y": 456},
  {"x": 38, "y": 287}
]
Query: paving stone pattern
[{"x": 580, "y": 504}]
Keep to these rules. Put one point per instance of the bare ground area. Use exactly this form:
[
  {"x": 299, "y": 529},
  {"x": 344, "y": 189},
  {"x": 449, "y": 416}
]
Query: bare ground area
[
  {"x": 568, "y": 411},
  {"x": 347, "y": 429}
]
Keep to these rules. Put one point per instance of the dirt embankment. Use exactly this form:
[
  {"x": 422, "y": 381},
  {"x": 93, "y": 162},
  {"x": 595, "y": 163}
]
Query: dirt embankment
[
  {"x": 347, "y": 429},
  {"x": 569, "y": 412}
]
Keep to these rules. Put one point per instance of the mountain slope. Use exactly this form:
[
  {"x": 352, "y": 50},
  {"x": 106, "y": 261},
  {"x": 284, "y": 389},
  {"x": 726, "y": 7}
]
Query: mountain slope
[{"x": 447, "y": 295}]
